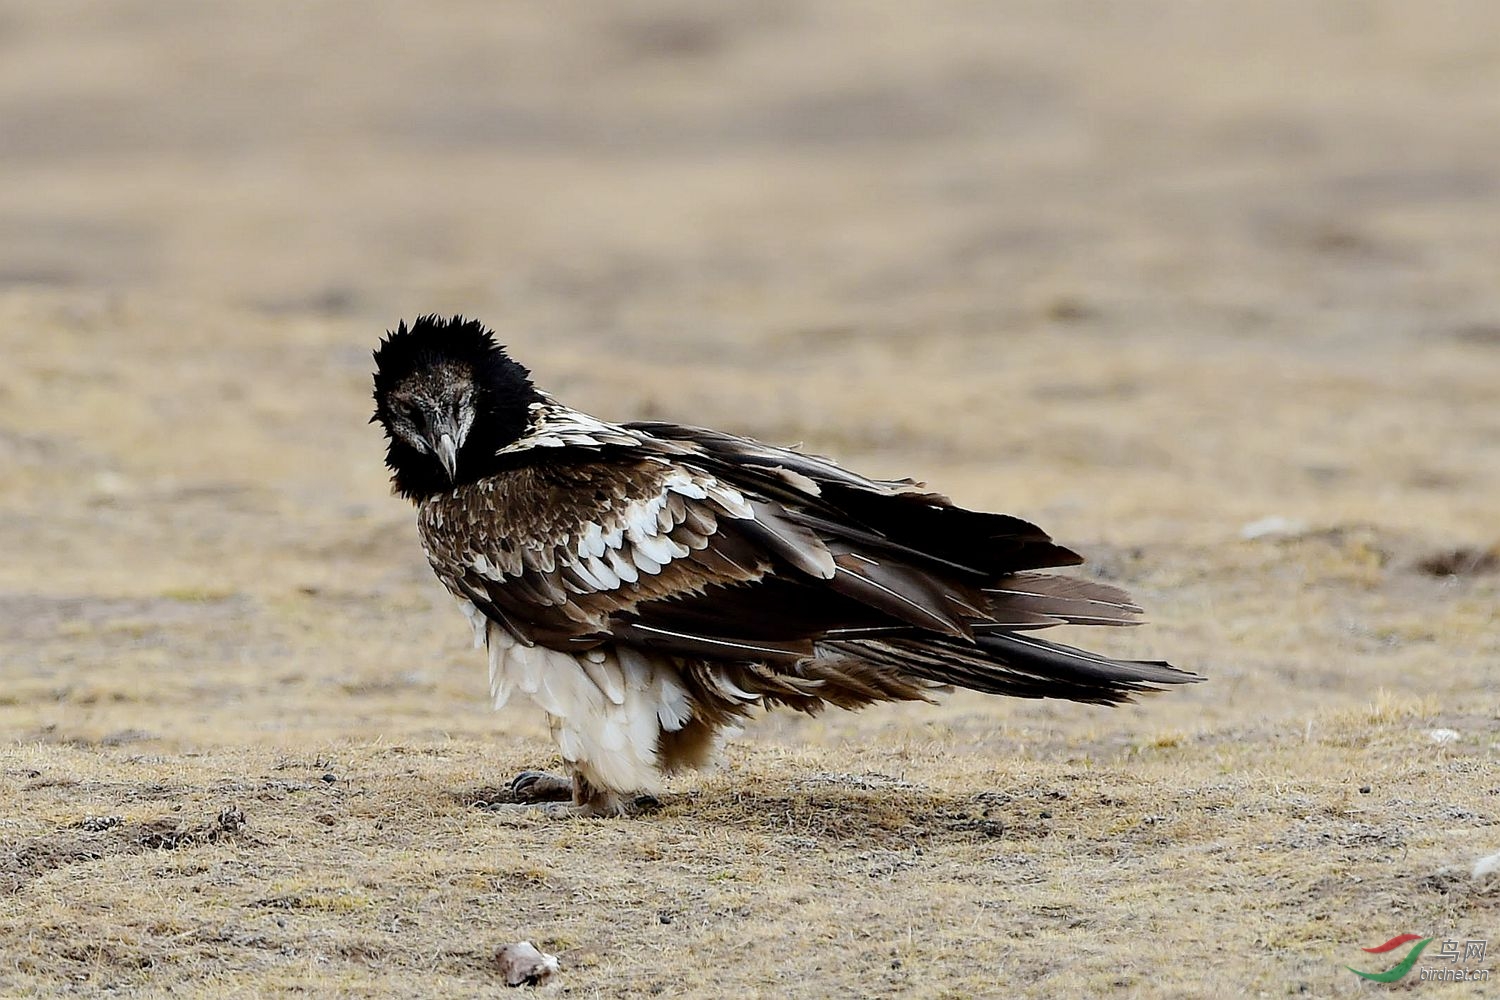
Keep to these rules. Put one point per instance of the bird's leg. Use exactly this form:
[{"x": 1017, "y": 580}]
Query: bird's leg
[{"x": 591, "y": 801}]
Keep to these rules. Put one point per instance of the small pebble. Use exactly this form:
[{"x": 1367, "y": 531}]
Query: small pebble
[
  {"x": 523, "y": 965},
  {"x": 1272, "y": 527}
]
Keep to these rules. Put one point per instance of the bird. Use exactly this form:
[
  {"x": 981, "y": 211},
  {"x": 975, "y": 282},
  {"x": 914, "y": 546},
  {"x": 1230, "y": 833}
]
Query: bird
[{"x": 649, "y": 586}]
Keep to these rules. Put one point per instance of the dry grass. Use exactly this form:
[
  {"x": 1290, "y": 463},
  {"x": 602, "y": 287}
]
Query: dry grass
[{"x": 248, "y": 748}]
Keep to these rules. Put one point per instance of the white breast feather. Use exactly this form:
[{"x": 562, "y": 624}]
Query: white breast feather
[
  {"x": 606, "y": 708},
  {"x": 477, "y": 620}
]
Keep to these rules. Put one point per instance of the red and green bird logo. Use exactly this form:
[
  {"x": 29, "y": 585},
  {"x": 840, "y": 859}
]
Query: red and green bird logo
[{"x": 1402, "y": 967}]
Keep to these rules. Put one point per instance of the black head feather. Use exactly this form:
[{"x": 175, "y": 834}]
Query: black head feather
[{"x": 440, "y": 370}]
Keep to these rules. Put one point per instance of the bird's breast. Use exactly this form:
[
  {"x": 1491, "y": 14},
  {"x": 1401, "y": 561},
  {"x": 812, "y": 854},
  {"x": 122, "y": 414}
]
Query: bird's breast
[{"x": 607, "y": 708}]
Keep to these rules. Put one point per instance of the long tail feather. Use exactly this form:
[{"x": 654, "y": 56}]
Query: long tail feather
[
  {"x": 1078, "y": 602},
  {"x": 1021, "y": 666}
]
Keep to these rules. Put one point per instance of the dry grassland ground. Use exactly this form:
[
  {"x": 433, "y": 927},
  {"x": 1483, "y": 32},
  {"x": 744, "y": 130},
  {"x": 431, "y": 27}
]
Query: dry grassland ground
[{"x": 1145, "y": 274}]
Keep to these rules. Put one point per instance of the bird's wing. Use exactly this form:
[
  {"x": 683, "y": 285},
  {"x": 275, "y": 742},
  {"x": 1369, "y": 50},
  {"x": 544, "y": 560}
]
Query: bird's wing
[
  {"x": 702, "y": 544},
  {"x": 572, "y": 554},
  {"x": 901, "y": 522},
  {"x": 976, "y": 568},
  {"x": 901, "y": 512}
]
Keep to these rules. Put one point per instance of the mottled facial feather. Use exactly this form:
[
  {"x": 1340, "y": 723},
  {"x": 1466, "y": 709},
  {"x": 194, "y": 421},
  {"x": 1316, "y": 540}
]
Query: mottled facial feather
[{"x": 443, "y": 394}]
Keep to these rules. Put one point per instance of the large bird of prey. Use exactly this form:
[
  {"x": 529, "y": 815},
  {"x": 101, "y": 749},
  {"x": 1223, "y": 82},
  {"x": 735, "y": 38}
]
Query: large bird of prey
[{"x": 647, "y": 585}]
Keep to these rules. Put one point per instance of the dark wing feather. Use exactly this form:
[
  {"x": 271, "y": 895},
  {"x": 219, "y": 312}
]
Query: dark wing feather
[
  {"x": 981, "y": 558},
  {"x": 927, "y": 524},
  {"x": 715, "y": 549},
  {"x": 1021, "y": 666},
  {"x": 968, "y": 571}
]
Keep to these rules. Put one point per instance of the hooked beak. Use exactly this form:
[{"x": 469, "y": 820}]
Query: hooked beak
[{"x": 446, "y": 450}]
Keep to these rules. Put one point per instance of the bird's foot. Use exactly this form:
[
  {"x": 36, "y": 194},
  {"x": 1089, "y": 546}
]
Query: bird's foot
[
  {"x": 533, "y": 787},
  {"x": 561, "y": 797},
  {"x": 604, "y": 804}
]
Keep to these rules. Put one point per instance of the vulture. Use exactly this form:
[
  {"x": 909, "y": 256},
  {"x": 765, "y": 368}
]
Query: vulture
[{"x": 648, "y": 585}]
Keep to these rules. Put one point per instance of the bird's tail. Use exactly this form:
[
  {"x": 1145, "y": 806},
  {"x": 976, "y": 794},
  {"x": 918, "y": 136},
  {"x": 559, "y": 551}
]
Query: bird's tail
[{"x": 1016, "y": 664}]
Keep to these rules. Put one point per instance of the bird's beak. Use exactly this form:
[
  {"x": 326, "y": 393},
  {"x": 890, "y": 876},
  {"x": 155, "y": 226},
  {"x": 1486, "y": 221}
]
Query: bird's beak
[{"x": 447, "y": 452}]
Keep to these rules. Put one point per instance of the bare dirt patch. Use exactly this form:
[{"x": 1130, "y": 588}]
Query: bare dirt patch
[{"x": 95, "y": 838}]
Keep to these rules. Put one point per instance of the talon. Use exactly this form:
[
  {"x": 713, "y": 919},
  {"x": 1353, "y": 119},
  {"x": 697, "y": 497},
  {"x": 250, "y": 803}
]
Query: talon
[
  {"x": 539, "y": 786},
  {"x": 574, "y": 796}
]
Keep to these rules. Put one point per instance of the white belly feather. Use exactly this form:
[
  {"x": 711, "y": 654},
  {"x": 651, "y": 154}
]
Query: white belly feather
[{"x": 606, "y": 707}]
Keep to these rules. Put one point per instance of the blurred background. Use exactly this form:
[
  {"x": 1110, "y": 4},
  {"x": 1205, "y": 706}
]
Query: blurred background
[{"x": 708, "y": 175}]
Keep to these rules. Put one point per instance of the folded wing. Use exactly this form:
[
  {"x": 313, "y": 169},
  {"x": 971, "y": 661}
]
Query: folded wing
[{"x": 782, "y": 570}]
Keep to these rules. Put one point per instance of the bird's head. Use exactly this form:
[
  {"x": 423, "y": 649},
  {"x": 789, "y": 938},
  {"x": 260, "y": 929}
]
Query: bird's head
[{"x": 449, "y": 398}]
